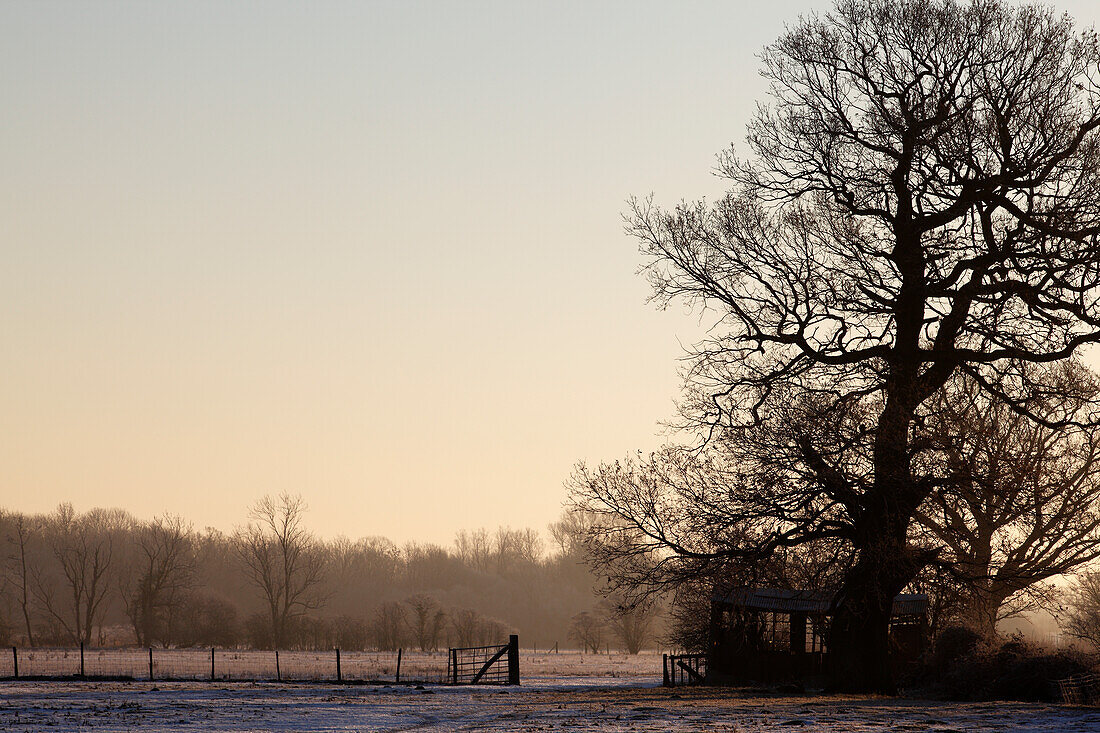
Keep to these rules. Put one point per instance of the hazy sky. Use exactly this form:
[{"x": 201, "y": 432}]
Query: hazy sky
[{"x": 368, "y": 252}]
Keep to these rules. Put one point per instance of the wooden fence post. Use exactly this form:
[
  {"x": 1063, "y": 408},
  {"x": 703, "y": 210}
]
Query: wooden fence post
[
  {"x": 15, "y": 661},
  {"x": 211, "y": 663},
  {"x": 454, "y": 666},
  {"x": 81, "y": 659},
  {"x": 397, "y": 677},
  {"x": 513, "y": 659},
  {"x": 278, "y": 672},
  {"x": 665, "y": 682},
  {"x": 339, "y": 677},
  {"x": 150, "y": 663}
]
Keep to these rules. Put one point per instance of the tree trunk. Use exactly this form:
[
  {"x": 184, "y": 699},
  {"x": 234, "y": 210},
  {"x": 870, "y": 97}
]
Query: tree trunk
[
  {"x": 981, "y": 611},
  {"x": 859, "y": 637}
]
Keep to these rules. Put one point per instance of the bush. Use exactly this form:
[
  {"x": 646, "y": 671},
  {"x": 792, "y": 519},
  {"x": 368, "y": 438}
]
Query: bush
[
  {"x": 952, "y": 644},
  {"x": 1013, "y": 670}
]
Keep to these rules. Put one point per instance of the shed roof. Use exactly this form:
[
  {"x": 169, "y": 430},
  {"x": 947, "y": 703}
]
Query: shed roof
[{"x": 808, "y": 601}]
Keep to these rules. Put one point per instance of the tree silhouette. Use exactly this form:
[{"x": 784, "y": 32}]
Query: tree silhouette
[
  {"x": 921, "y": 198},
  {"x": 282, "y": 560},
  {"x": 1020, "y": 502}
]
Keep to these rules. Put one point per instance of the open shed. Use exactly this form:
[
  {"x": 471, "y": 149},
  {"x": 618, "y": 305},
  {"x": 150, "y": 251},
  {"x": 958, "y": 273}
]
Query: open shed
[{"x": 769, "y": 635}]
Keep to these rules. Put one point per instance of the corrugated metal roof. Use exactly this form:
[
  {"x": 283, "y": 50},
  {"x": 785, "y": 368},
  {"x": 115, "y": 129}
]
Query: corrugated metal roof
[{"x": 807, "y": 601}]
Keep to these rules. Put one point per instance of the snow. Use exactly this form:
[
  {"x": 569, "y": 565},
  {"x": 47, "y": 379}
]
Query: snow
[{"x": 559, "y": 693}]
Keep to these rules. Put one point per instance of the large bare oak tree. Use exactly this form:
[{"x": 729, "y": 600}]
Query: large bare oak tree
[{"x": 920, "y": 197}]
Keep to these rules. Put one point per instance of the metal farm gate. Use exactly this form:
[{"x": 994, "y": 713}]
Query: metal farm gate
[{"x": 485, "y": 665}]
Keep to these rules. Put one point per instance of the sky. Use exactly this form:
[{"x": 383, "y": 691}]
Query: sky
[{"x": 371, "y": 253}]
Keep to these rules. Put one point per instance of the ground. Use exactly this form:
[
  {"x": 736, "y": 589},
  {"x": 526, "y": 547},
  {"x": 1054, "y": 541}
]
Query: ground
[
  {"x": 560, "y": 692},
  {"x": 618, "y": 706}
]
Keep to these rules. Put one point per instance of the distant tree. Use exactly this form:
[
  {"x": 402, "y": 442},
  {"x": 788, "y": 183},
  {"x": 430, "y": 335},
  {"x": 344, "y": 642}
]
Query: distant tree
[
  {"x": 630, "y": 623},
  {"x": 587, "y": 629},
  {"x": 471, "y": 628},
  {"x": 475, "y": 548},
  {"x": 431, "y": 567},
  {"x": 387, "y": 627},
  {"x": 351, "y": 632},
  {"x": 283, "y": 560},
  {"x": 83, "y": 547},
  {"x": 570, "y": 532},
  {"x": 359, "y": 573},
  {"x": 206, "y": 620},
  {"x": 921, "y": 198},
  {"x": 19, "y": 531},
  {"x": 427, "y": 621},
  {"x": 1020, "y": 499},
  {"x": 161, "y": 575},
  {"x": 515, "y": 548},
  {"x": 1082, "y": 611}
]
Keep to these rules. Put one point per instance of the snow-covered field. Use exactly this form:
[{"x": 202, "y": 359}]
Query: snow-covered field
[
  {"x": 248, "y": 665},
  {"x": 559, "y": 693},
  {"x": 190, "y": 706}
]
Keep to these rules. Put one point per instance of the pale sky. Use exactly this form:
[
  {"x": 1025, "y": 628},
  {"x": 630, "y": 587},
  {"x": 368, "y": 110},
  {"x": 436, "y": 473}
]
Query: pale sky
[{"x": 368, "y": 252}]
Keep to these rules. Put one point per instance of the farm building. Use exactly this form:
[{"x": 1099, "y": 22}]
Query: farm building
[{"x": 772, "y": 635}]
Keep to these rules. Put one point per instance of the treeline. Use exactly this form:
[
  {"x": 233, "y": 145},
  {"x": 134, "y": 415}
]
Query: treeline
[{"x": 106, "y": 578}]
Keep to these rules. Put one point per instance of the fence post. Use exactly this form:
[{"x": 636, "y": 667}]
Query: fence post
[
  {"x": 15, "y": 661},
  {"x": 150, "y": 663},
  {"x": 278, "y": 672},
  {"x": 397, "y": 677},
  {"x": 81, "y": 659},
  {"x": 665, "y": 682},
  {"x": 211, "y": 663},
  {"x": 454, "y": 666},
  {"x": 339, "y": 676},
  {"x": 513, "y": 659}
]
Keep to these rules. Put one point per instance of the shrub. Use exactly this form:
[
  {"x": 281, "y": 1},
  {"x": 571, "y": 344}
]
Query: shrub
[{"x": 1012, "y": 670}]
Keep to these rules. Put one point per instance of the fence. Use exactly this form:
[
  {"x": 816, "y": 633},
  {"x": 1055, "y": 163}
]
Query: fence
[
  {"x": 678, "y": 670},
  {"x": 485, "y": 665},
  {"x": 221, "y": 664},
  {"x": 1082, "y": 689}
]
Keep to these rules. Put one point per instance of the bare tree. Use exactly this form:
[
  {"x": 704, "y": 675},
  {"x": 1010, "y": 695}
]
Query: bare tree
[
  {"x": 570, "y": 532},
  {"x": 1082, "y": 611},
  {"x": 428, "y": 621},
  {"x": 388, "y": 626},
  {"x": 921, "y": 198},
  {"x": 1020, "y": 501},
  {"x": 630, "y": 623},
  {"x": 160, "y": 579},
  {"x": 283, "y": 560},
  {"x": 515, "y": 548},
  {"x": 17, "y": 568},
  {"x": 471, "y": 628},
  {"x": 83, "y": 547},
  {"x": 475, "y": 548},
  {"x": 587, "y": 629}
]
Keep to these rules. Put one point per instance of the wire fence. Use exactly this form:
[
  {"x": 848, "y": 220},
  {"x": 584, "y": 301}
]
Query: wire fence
[
  {"x": 223, "y": 665},
  {"x": 1082, "y": 689}
]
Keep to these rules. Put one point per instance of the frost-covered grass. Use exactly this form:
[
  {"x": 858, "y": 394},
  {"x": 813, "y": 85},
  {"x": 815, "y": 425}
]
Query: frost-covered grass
[
  {"x": 562, "y": 692},
  {"x": 190, "y": 706},
  {"x": 249, "y": 665}
]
